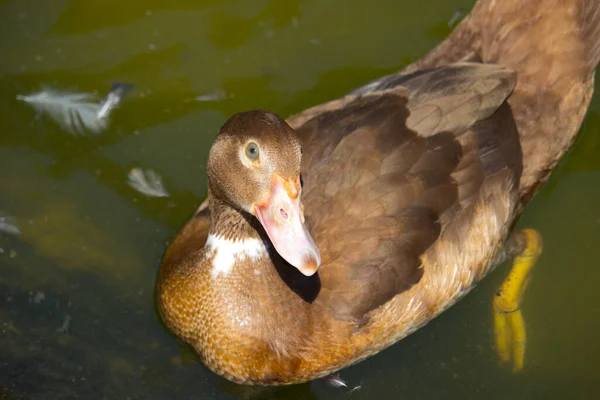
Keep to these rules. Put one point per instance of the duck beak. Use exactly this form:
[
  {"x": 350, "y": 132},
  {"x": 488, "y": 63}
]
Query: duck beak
[{"x": 283, "y": 219}]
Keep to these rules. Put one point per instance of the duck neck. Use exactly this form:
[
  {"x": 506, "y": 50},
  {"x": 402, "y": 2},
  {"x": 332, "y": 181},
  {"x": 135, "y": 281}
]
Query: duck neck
[{"x": 230, "y": 223}]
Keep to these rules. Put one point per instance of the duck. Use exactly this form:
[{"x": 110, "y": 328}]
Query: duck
[{"x": 330, "y": 235}]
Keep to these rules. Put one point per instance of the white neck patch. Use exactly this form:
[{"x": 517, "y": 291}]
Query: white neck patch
[{"x": 226, "y": 252}]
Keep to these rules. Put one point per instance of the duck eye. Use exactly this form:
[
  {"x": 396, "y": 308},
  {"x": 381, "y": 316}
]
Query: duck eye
[{"x": 252, "y": 151}]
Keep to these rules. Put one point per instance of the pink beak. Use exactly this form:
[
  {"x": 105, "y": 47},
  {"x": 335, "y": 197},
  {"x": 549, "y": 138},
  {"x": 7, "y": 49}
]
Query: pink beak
[{"x": 283, "y": 219}]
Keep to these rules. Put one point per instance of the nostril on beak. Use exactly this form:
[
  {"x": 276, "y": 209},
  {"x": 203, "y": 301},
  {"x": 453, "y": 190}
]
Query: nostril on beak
[{"x": 284, "y": 215}]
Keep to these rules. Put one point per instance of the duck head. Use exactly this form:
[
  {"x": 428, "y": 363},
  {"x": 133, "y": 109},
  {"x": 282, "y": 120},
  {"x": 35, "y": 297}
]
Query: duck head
[{"x": 254, "y": 166}]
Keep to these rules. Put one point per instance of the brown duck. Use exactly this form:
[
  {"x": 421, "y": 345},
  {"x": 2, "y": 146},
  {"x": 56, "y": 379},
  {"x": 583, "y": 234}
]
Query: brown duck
[{"x": 328, "y": 238}]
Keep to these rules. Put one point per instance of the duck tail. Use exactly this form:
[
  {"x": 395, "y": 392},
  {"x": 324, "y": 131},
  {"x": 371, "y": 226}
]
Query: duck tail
[
  {"x": 554, "y": 48},
  {"x": 502, "y": 31},
  {"x": 556, "y": 36}
]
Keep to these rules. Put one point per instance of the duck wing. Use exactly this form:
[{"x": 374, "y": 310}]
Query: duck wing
[{"x": 386, "y": 169}]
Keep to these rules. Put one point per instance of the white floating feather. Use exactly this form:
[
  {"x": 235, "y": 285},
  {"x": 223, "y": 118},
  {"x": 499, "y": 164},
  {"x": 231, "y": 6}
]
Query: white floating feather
[
  {"x": 77, "y": 113},
  {"x": 9, "y": 225},
  {"x": 147, "y": 182},
  {"x": 215, "y": 96},
  {"x": 456, "y": 18},
  {"x": 335, "y": 381}
]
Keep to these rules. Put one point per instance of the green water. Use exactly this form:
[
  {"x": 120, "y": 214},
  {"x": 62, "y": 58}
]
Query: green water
[{"x": 92, "y": 245}]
